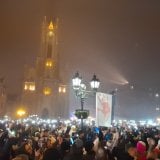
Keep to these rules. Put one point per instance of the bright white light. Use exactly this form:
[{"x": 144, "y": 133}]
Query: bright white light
[
  {"x": 95, "y": 84},
  {"x": 33, "y": 122},
  {"x": 76, "y": 83},
  {"x": 12, "y": 133},
  {"x": 125, "y": 82},
  {"x": 136, "y": 127},
  {"x": 83, "y": 86},
  {"x": 132, "y": 121},
  {"x": 2, "y": 121},
  {"x": 142, "y": 122},
  {"x": 54, "y": 121},
  {"x": 156, "y": 95},
  {"x": 73, "y": 118},
  {"x": 132, "y": 87},
  {"x": 64, "y": 90},
  {"x": 67, "y": 121},
  {"x": 150, "y": 122},
  {"x": 87, "y": 122},
  {"x": 48, "y": 121}
]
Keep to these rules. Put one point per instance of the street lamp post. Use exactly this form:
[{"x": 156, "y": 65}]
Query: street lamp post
[{"x": 82, "y": 93}]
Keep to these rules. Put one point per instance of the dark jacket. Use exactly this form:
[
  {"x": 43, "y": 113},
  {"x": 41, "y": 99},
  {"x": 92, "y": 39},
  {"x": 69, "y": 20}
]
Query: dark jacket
[{"x": 51, "y": 154}]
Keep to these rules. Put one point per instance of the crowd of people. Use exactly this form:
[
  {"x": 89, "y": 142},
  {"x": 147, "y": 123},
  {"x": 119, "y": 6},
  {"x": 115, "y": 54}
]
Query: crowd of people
[{"x": 36, "y": 142}]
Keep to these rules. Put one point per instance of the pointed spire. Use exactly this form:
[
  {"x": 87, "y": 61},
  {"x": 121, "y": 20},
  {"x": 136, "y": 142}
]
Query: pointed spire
[{"x": 50, "y": 26}]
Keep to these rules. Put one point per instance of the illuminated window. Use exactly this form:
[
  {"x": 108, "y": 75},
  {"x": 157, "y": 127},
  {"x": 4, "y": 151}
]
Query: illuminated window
[
  {"x": 21, "y": 112},
  {"x": 49, "y": 63},
  {"x": 47, "y": 91},
  {"x": 25, "y": 87},
  {"x": 32, "y": 87},
  {"x": 50, "y": 27},
  {"x": 62, "y": 89},
  {"x": 50, "y": 33},
  {"x": 29, "y": 86}
]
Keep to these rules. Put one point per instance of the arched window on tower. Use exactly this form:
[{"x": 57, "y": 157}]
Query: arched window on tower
[
  {"x": 62, "y": 89},
  {"x": 49, "y": 63},
  {"x": 29, "y": 86}
]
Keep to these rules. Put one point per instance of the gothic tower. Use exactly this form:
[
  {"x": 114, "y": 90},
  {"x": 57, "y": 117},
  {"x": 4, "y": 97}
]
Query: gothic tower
[{"x": 43, "y": 92}]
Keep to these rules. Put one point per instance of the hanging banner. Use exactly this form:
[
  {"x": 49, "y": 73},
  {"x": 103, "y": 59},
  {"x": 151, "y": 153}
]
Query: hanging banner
[{"x": 103, "y": 109}]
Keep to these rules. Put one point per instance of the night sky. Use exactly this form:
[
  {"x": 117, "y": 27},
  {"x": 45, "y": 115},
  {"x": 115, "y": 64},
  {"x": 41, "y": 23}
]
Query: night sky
[{"x": 117, "y": 40}]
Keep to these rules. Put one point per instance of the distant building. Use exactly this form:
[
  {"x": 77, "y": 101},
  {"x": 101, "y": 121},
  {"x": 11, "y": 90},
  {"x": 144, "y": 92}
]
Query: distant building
[
  {"x": 44, "y": 92},
  {"x": 3, "y": 97}
]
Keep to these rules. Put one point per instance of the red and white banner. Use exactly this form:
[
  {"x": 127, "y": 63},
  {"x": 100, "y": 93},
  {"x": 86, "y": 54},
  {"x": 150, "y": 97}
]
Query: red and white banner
[{"x": 103, "y": 109}]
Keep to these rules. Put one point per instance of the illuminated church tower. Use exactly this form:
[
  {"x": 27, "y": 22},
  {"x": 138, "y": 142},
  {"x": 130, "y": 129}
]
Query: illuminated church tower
[{"x": 43, "y": 93}]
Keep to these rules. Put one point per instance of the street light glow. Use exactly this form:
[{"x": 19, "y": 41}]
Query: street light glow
[
  {"x": 76, "y": 81},
  {"x": 156, "y": 95},
  {"x": 21, "y": 112},
  {"x": 95, "y": 83},
  {"x": 131, "y": 87}
]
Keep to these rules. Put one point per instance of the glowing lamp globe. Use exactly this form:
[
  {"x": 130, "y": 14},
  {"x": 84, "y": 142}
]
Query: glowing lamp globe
[
  {"x": 95, "y": 83},
  {"x": 76, "y": 81}
]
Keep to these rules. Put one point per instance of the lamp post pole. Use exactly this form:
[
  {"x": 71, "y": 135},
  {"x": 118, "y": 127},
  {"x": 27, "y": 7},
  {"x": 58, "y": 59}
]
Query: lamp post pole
[{"x": 82, "y": 105}]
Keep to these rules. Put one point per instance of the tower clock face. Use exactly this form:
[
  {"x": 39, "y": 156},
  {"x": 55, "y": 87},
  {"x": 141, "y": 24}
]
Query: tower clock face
[{"x": 50, "y": 33}]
